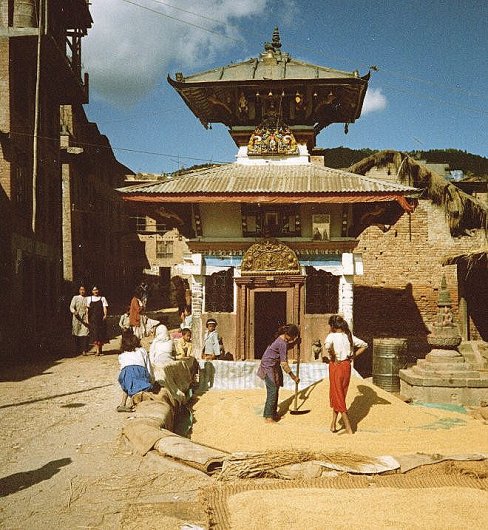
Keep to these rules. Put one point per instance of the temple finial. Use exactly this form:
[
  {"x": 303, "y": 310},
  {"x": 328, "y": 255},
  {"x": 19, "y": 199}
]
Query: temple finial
[{"x": 276, "y": 39}]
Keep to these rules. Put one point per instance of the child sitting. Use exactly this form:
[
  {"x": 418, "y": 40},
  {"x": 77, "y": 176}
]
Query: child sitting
[
  {"x": 135, "y": 369},
  {"x": 184, "y": 346}
]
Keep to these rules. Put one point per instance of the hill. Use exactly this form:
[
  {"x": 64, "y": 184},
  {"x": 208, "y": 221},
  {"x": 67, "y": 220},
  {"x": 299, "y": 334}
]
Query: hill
[{"x": 471, "y": 165}]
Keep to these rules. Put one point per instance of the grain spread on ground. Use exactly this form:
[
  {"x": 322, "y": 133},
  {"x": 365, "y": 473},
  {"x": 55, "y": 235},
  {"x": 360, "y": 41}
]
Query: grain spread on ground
[
  {"x": 373, "y": 508},
  {"x": 385, "y": 425}
]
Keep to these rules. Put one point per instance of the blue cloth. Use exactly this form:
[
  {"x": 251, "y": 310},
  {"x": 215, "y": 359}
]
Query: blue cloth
[
  {"x": 134, "y": 379},
  {"x": 271, "y": 398}
]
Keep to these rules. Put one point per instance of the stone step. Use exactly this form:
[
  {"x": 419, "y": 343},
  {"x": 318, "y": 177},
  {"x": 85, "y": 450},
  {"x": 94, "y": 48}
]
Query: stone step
[
  {"x": 444, "y": 367},
  {"x": 445, "y": 356},
  {"x": 447, "y": 374},
  {"x": 414, "y": 379}
]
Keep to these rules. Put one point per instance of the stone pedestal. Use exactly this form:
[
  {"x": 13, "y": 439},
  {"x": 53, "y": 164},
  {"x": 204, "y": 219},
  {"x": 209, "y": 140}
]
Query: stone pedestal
[{"x": 444, "y": 376}]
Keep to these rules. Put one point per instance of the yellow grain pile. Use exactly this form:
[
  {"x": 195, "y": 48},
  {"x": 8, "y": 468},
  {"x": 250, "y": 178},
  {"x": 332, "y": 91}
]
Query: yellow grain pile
[
  {"x": 232, "y": 421},
  {"x": 360, "y": 509}
]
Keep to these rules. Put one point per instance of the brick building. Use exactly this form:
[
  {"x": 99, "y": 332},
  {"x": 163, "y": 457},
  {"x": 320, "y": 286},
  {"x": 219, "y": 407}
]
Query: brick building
[
  {"x": 60, "y": 215},
  {"x": 404, "y": 263},
  {"x": 95, "y": 223}
]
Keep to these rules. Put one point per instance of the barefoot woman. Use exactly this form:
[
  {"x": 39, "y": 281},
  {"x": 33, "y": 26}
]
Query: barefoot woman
[
  {"x": 273, "y": 362},
  {"x": 341, "y": 347}
]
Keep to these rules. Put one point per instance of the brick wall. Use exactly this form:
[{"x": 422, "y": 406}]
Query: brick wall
[{"x": 397, "y": 295}]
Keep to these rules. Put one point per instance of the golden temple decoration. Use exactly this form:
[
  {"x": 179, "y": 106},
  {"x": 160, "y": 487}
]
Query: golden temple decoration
[
  {"x": 270, "y": 139},
  {"x": 270, "y": 256}
]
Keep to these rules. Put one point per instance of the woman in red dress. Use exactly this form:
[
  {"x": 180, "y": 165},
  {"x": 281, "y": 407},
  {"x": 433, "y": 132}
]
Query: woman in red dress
[{"x": 341, "y": 347}]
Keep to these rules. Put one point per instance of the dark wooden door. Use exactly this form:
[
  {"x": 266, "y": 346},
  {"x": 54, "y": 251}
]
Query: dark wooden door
[{"x": 269, "y": 314}]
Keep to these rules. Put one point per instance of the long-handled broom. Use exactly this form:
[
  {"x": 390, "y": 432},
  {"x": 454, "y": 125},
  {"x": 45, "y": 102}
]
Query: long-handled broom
[{"x": 296, "y": 411}]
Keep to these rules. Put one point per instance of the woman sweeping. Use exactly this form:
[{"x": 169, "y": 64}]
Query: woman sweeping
[
  {"x": 341, "y": 347},
  {"x": 273, "y": 362}
]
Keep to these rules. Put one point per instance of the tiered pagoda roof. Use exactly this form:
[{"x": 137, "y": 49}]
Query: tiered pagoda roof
[{"x": 305, "y": 96}]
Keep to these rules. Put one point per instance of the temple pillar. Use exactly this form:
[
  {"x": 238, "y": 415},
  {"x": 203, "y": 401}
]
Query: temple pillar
[
  {"x": 346, "y": 298},
  {"x": 197, "y": 306}
]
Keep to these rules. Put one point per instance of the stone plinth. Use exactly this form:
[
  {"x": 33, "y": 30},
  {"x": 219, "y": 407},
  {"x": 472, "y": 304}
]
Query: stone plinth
[{"x": 444, "y": 376}]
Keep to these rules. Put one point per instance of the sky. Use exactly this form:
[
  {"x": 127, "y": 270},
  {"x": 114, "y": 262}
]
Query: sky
[{"x": 430, "y": 90}]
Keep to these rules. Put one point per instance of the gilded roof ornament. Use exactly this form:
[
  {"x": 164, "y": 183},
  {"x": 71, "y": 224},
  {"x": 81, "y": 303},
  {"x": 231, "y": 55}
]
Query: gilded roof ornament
[
  {"x": 276, "y": 39},
  {"x": 270, "y": 256},
  {"x": 272, "y": 50},
  {"x": 272, "y": 138}
]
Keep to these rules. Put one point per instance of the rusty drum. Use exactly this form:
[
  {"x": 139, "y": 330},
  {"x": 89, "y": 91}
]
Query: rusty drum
[{"x": 389, "y": 356}]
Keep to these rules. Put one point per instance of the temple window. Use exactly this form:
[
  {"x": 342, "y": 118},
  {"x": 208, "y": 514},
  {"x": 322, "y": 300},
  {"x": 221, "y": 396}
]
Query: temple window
[
  {"x": 164, "y": 249},
  {"x": 272, "y": 221},
  {"x": 322, "y": 292},
  {"x": 139, "y": 223},
  {"x": 219, "y": 292}
]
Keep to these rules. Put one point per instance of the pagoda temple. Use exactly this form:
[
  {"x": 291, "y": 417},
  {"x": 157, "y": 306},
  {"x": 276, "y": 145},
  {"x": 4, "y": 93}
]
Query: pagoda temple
[{"x": 273, "y": 235}]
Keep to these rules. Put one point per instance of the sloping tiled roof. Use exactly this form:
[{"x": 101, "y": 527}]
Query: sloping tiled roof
[
  {"x": 256, "y": 69},
  {"x": 230, "y": 179},
  {"x": 238, "y": 94}
]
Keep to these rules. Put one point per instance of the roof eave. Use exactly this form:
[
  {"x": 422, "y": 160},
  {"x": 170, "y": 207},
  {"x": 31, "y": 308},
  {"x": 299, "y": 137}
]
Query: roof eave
[
  {"x": 273, "y": 198},
  {"x": 181, "y": 85}
]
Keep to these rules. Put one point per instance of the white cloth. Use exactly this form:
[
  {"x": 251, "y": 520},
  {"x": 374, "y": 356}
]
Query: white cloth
[
  {"x": 145, "y": 328},
  {"x": 161, "y": 349},
  {"x": 211, "y": 343},
  {"x": 79, "y": 309},
  {"x": 341, "y": 346},
  {"x": 187, "y": 322},
  {"x": 96, "y": 299},
  {"x": 138, "y": 357}
]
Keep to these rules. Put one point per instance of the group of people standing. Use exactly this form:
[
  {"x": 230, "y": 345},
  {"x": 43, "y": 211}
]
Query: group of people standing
[
  {"x": 89, "y": 316},
  {"x": 340, "y": 349}
]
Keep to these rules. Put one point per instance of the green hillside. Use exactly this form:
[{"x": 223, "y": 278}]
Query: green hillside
[{"x": 471, "y": 165}]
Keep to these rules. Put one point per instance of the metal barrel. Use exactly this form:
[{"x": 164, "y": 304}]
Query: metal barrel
[{"x": 389, "y": 355}]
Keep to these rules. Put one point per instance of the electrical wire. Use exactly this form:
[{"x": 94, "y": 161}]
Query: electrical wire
[
  {"x": 125, "y": 149},
  {"x": 189, "y": 12},
  {"x": 220, "y": 34},
  {"x": 388, "y": 71}
]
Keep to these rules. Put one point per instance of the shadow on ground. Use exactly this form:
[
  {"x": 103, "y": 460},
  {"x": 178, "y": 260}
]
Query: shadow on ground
[{"x": 25, "y": 479}]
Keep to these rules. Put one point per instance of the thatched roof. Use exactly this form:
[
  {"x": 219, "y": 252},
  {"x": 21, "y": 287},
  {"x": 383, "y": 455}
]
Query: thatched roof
[
  {"x": 463, "y": 211},
  {"x": 472, "y": 260}
]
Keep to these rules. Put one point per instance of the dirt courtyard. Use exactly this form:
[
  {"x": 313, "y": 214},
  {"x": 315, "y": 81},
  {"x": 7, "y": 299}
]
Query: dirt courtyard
[{"x": 64, "y": 463}]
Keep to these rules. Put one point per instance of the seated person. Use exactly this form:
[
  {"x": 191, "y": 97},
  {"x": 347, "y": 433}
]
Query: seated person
[
  {"x": 161, "y": 349},
  {"x": 183, "y": 345},
  {"x": 135, "y": 370}
]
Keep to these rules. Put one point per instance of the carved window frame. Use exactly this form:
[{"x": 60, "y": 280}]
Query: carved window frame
[
  {"x": 254, "y": 219},
  {"x": 321, "y": 292},
  {"x": 219, "y": 292}
]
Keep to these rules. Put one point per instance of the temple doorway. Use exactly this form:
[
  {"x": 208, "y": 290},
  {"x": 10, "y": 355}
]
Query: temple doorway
[{"x": 269, "y": 314}]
